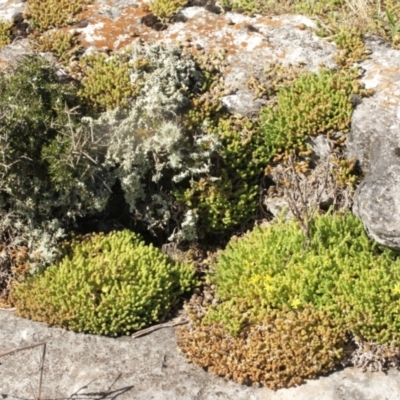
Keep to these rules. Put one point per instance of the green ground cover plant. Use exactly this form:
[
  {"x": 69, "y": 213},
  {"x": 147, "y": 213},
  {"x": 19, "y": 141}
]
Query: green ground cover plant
[
  {"x": 106, "y": 84},
  {"x": 313, "y": 105},
  {"x": 229, "y": 197},
  {"x": 107, "y": 284},
  {"x": 272, "y": 276},
  {"x": 5, "y": 33},
  {"x": 47, "y": 14},
  {"x": 146, "y": 128},
  {"x": 165, "y": 9},
  {"x": 341, "y": 272},
  {"x": 61, "y": 43}
]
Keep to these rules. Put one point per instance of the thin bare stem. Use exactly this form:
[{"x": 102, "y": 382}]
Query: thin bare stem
[
  {"x": 9, "y": 352},
  {"x": 41, "y": 372},
  {"x": 160, "y": 326},
  {"x": 13, "y": 351}
]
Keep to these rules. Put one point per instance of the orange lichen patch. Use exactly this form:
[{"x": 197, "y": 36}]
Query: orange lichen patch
[
  {"x": 114, "y": 34},
  {"x": 202, "y": 29},
  {"x": 382, "y": 80},
  {"x": 231, "y": 32},
  {"x": 268, "y": 21}
]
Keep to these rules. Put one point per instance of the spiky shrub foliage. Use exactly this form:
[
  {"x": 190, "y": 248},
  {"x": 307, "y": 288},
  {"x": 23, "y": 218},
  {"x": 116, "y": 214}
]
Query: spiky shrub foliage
[
  {"x": 284, "y": 349},
  {"x": 46, "y": 14},
  {"x": 50, "y": 160},
  {"x": 5, "y": 33},
  {"x": 165, "y": 9},
  {"x": 110, "y": 284},
  {"x": 31, "y": 101},
  {"x": 107, "y": 84},
  {"x": 313, "y": 105},
  {"x": 341, "y": 272}
]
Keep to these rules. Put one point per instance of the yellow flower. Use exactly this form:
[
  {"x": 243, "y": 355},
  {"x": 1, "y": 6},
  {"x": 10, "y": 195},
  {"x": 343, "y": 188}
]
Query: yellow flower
[
  {"x": 295, "y": 303},
  {"x": 255, "y": 279},
  {"x": 267, "y": 278}
]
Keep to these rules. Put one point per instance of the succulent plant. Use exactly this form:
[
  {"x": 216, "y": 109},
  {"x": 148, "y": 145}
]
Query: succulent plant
[
  {"x": 283, "y": 301},
  {"x": 281, "y": 351},
  {"x": 106, "y": 284},
  {"x": 313, "y": 105},
  {"x": 63, "y": 44},
  {"x": 165, "y": 9},
  {"x": 341, "y": 272},
  {"x": 5, "y": 33},
  {"x": 106, "y": 84},
  {"x": 46, "y": 14},
  {"x": 228, "y": 198}
]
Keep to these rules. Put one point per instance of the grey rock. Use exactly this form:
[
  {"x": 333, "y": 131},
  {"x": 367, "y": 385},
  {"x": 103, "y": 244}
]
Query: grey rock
[
  {"x": 9, "y": 55},
  {"x": 8, "y": 8},
  {"x": 242, "y": 103},
  {"x": 149, "y": 367},
  {"x": 321, "y": 146},
  {"x": 373, "y": 139},
  {"x": 17, "y": 17},
  {"x": 251, "y": 44},
  {"x": 275, "y": 205}
]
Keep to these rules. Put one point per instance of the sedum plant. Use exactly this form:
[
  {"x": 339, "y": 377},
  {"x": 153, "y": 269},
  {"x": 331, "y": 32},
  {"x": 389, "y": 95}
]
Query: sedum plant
[
  {"x": 228, "y": 197},
  {"x": 63, "y": 44},
  {"x": 165, "y": 9},
  {"x": 47, "y": 14},
  {"x": 341, "y": 272},
  {"x": 287, "y": 307},
  {"x": 282, "y": 350},
  {"x": 5, "y": 33},
  {"x": 313, "y": 105},
  {"x": 106, "y": 284},
  {"x": 106, "y": 84}
]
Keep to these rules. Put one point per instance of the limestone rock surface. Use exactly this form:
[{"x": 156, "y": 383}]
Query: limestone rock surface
[
  {"x": 375, "y": 141},
  {"x": 79, "y": 366}
]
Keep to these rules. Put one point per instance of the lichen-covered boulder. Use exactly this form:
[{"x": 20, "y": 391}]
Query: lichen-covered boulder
[{"x": 375, "y": 140}]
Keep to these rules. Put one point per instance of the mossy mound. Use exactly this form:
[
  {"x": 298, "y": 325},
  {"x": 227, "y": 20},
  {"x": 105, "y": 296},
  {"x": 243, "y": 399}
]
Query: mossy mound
[
  {"x": 289, "y": 297},
  {"x": 341, "y": 271},
  {"x": 110, "y": 284},
  {"x": 281, "y": 351}
]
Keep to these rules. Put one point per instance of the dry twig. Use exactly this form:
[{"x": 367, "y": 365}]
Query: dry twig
[
  {"x": 176, "y": 322},
  {"x": 13, "y": 351}
]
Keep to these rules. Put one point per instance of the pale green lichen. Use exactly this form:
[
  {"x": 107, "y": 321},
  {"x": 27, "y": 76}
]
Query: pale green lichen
[{"x": 146, "y": 148}]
